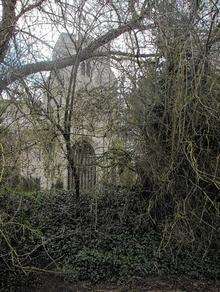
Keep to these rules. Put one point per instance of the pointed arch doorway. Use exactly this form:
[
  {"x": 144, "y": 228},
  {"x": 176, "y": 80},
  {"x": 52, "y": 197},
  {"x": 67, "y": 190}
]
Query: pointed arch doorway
[{"x": 85, "y": 163}]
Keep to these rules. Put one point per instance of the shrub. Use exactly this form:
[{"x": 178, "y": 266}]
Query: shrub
[{"x": 96, "y": 238}]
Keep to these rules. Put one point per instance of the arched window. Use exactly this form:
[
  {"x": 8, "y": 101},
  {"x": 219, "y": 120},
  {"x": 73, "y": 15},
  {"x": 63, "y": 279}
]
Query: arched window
[
  {"x": 85, "y": 67},
  {"x": 88, "y": 68},
  {"x": 84, "y": 159}
]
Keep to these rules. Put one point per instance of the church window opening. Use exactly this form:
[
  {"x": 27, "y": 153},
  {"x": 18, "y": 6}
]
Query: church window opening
[
  {"x": 85, "y": 163},
  {"x": 88, "y": 68},
  {"x": 85, "y": 68}
]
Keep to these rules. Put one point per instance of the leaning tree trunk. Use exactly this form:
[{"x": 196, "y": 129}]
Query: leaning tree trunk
[
  {"x": 71, "y": 170},
  {"x": 7, "y": 26}
]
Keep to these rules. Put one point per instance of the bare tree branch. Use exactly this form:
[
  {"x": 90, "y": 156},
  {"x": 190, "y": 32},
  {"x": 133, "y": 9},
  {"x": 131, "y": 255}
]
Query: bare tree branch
[
  {"x": 30, "y": 7},
  {"x": 17, "y": 73}
]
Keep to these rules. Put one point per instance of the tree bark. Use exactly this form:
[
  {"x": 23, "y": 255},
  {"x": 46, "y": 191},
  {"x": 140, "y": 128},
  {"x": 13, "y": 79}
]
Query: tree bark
[
  {"x": 71, "y": 168},
  {"x": 18, "y": 73},
  {"x": 7, "y": 26}
]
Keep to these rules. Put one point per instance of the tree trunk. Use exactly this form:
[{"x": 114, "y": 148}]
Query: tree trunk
[
  {"x": 72, "y": 171},
  {"x": 73, "y": 176},
  {"x": 7, "y": 26}
]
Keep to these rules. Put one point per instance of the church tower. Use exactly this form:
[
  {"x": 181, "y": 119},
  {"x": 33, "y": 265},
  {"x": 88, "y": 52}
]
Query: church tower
[{"x": 88, "y": 91}]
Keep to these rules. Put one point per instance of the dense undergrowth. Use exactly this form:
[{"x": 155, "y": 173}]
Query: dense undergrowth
[
  {"x": 108, "y": 237},
  {"x": 170, "y": 117}
]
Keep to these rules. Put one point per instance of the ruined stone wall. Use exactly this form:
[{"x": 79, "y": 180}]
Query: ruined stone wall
[{"x": 94, "y": 103}]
